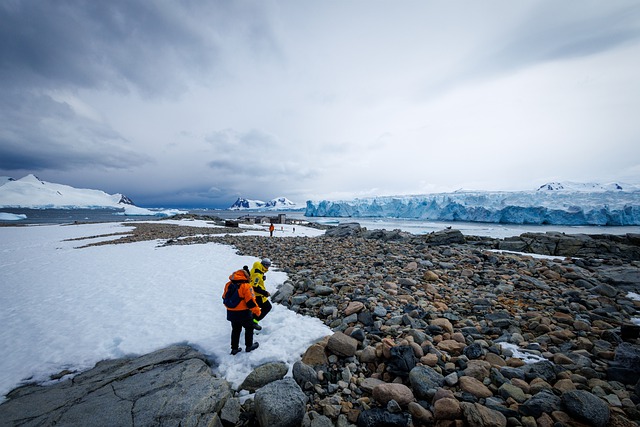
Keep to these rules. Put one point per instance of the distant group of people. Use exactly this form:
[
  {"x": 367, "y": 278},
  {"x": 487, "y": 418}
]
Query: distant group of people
[{"x": 251, "y": 304}]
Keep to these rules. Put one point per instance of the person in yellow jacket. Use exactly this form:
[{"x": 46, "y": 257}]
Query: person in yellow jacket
[
  {"x": 258, "y": 276},
  {"x": 241, "y": 304}
]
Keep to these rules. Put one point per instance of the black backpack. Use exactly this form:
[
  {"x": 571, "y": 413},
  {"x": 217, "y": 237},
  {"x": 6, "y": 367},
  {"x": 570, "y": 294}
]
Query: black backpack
[{"x": 232, "y": 298}]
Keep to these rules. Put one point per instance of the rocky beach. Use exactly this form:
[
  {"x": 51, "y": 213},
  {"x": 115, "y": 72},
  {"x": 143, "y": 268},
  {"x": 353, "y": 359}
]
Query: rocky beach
[{"x": 434, "y": 330}]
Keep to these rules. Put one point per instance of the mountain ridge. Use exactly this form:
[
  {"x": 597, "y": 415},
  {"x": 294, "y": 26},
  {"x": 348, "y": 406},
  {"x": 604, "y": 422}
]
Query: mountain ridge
[{"x": 278, "y": 203}]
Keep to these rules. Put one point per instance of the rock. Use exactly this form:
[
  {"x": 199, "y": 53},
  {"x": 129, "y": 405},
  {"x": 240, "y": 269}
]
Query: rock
[
  {"x": 342, "y": 345},
  {"x": 624, "y": 367},
  {"x": 303, "y": 374},
  {"x": 473, "y": 386},
  {"x": 283, "y": 293},
  {"x": 447, "y": 408},
  {"x": 425, "y": 380},
  {"x": 344, "y": 230},
  {"x": 507, "y": 391},
  {"x": 378, "y": 417},
  {"x": 544, "y": 370},
  {"x": 353, "y": 307},
  {"x": 540, "y": 403},
  {"x": 170, "y": 386},
  {"x": 586, "y": 407},
  {"x": 420, "y": 413},
  {"x": 386, "y": 392},
  {"x": 452, "y": 347},
  {"x": 280, "y": 404},
  {"x": 231, "y": 411},
  {"x": 263, "y": 375},
  {"x": 477, "y": 415},
  {"x": 402, "y": 360},
  {"x": 315, "y": 355},
  {"x": 445, "y": 237},
  {"x": 368, "y": 384},
  {"x": 473, "y": 351}
]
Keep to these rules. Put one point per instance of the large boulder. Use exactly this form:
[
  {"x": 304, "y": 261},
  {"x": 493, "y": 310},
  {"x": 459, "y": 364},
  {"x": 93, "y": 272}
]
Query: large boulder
[
  {"x": 281, "y": 403},
  {"x": 172, "y": 386}
]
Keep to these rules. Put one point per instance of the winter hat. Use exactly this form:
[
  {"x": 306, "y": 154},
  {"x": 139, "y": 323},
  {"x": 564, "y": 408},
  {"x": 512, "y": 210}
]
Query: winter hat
[{"x": 266, "y": 262}]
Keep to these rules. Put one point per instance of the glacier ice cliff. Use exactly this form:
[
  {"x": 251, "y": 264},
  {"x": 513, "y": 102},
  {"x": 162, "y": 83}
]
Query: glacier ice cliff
[{"x": 524, "y": 207}]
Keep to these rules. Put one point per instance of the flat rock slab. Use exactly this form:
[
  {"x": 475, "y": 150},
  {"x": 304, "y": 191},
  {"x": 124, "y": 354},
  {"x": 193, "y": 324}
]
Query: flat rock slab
[{"x": 171, "y": 386}]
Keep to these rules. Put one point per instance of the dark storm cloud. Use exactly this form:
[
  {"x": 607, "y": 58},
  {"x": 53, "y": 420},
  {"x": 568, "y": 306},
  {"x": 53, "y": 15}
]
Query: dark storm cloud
[
  {"x": 40, "y": 133},
  {"x": 111, "y": 44},
  {"x": 153, "y": 48}
]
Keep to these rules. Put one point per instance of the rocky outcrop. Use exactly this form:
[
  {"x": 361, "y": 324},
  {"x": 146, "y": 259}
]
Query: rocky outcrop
[
  {"x": 172, "y": 386},
  {"x": 625, "y": 247}
]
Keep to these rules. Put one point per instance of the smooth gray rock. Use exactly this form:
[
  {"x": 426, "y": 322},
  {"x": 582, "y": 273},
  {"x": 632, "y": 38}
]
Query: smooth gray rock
[
  {"x": 170, "y": 386},
  {"x": 263, "y": 375},
  {"x": 281, "y": 403},
  {"x": 303, "y": 374}
]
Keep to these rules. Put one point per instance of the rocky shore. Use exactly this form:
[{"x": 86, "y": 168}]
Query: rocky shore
[{"x": 434, "y": 330}]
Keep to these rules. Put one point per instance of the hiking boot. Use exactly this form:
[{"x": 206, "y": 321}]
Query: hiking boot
[
  {"x": 256, "y": 326},
  {"x": 235, "y": 351},
  {"x": 253, "y": 347}
]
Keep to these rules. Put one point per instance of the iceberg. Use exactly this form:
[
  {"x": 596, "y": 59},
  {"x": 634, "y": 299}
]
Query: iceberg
[{"x": 551, "y": 204}]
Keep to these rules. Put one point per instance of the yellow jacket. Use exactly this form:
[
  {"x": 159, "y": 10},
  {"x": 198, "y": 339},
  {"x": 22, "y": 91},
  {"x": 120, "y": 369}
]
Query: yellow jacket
[{"x": 257, "y": 281}]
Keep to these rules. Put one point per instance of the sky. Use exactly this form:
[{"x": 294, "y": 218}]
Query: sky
[
  {"x": 196, "y": 103},
  {"x": 66, "y": 308}
]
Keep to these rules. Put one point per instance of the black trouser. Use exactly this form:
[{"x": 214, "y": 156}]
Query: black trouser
[
  {"x": 237, "y": 324},
  {"x": 265, "y": 308}
]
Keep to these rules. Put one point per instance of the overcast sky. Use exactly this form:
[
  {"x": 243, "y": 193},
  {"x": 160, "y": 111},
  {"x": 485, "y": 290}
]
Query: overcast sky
[{"x": 194, "y": 103}]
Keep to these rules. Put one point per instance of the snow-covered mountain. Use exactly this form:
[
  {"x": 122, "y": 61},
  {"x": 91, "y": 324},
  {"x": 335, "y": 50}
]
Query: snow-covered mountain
[
  {"x": 31, "y": 192},
  {"x": 553, "y": 203},
  {"x": 586, "y": 187},
  {"x": 279, "y": 203}
]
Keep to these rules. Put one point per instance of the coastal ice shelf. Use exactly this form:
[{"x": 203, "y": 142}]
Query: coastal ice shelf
[{"x": 553, "y": 204}]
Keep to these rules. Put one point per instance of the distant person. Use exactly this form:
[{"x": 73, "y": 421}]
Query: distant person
[
  {"x": 271, "y": 228},
  {"x": 258, "y": 276},
  {"x": 241, "y": 304}
]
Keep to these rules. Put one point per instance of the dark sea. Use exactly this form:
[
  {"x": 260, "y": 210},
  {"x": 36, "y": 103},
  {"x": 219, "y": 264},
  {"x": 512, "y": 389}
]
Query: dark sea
[{"x": 70, "y": 216}]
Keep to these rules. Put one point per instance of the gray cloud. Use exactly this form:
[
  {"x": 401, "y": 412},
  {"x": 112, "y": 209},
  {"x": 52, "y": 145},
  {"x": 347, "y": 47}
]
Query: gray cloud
[
  {"x": 197, "y": 102},
  {"x": 40, "y": 133},
  {"x": 122, "y": 44}
]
